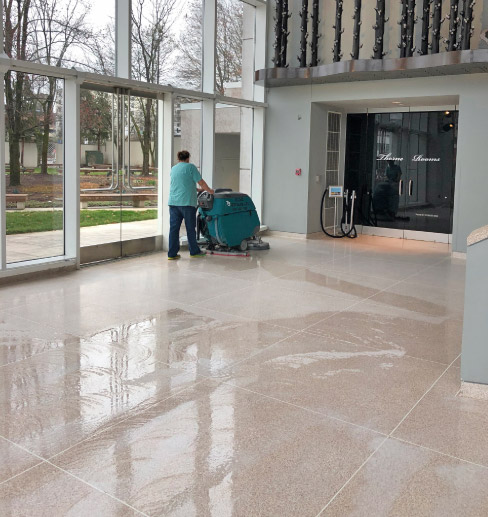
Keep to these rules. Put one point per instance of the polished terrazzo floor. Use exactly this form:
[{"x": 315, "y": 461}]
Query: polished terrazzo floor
[{"x": 318, "y": 378}]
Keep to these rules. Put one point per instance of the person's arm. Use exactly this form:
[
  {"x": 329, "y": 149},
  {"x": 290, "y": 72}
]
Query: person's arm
[{"x": 203, "y": 186}]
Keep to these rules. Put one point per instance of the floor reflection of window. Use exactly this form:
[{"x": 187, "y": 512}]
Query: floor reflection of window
[{"x": 222, "y": 403}]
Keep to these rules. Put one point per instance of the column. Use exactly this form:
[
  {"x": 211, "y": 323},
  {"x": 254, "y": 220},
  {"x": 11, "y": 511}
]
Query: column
[
  {"x": 257, "y": 178},
  {"x": 72, "y": 169},
  {"x": 165, "y": 162}
]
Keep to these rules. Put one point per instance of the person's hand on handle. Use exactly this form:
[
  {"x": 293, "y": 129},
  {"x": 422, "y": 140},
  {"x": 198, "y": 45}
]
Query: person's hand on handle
[{"x": 204, "y": 186}]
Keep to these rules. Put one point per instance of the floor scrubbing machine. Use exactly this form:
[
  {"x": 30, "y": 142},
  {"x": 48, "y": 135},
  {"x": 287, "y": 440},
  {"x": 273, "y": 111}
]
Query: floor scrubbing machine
[{"x": 228, "y": 224}]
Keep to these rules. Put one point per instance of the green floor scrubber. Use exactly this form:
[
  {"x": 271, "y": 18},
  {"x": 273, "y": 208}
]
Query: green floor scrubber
[{"x": 228, "y": 223}]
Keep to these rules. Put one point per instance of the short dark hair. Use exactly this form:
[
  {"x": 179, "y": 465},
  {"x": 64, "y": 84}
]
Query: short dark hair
[{"x": 183, "y": 156}]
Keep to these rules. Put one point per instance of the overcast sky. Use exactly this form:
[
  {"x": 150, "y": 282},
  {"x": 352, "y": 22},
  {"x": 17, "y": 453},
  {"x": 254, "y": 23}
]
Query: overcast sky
[{"x": 102, "y": 11}]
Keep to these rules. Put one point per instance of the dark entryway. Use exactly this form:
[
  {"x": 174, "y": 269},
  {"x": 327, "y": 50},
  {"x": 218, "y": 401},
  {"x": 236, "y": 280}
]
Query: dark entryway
[{"x": 402, "y": 165}]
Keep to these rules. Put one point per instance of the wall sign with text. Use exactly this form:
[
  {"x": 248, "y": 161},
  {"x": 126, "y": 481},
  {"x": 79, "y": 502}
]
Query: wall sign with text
[{"x": 416, "y": 158}]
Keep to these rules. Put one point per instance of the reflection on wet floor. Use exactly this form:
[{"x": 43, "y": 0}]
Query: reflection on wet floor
[{"x": 236, "y": 387}]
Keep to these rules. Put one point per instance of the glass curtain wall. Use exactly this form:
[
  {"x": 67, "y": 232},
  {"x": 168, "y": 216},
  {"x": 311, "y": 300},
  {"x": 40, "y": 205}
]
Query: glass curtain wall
[
  {"x": 118, "y": 147},
  {"x": 34, "y": 158},
  {"x": 234, "y": 71},
  {"x": 167, "y": 42}
]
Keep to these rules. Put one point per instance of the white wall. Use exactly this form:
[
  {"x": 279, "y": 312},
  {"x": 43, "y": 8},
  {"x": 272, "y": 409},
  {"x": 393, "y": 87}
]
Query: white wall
[
  {"x": 294, "y": 130},
  {"x": 287, "y": 142}
]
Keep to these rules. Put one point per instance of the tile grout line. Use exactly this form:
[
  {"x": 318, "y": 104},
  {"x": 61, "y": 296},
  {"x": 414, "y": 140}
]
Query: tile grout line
[
  {"x": 21, "y": 473},
  {"x": 371, "y": 296},
  {"x": 308, "y": 410},
  {"x": 301, "y": 268},
  {"x": 202, "y": 379},
  {"x": 257, "y": 283},
  {"x": 316, "y": 334},
  {"x": 424, "y": 395},
  {"x": 388, "y": 437},
  {"x": 96, "y": 433},
  {"x": 353, "y": 476},
  {"x": 128, "y": 417},
  {"x": 294, "y": 333},
  {"x": 438, "y": 452},
  {"x": 17, "y": 446},
  {"x": 97, "y": 489}
]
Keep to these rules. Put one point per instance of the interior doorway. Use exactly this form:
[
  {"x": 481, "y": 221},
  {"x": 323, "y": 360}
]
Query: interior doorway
[{"x": 402, "y": 167}]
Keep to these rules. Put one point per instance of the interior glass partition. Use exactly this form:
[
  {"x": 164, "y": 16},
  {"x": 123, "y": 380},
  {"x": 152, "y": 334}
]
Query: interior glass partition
[
  {"x": 233, "y": 147},
  {"x": 34, "y": 168},
  {"x": 188, "y": 129}
]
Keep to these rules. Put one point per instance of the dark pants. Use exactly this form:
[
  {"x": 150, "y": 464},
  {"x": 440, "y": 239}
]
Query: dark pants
[{"x": 176, "y": 216}]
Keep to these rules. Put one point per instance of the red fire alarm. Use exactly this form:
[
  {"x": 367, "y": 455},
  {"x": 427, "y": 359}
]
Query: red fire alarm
[{"x": 298, "y": 172}]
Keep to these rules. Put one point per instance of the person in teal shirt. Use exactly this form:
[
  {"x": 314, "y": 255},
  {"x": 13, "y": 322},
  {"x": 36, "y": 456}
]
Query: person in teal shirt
[{"x": 182, "y": 205}]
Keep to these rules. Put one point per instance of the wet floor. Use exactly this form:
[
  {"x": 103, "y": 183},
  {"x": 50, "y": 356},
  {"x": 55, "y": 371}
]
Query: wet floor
[{"x": 317, "y": 378}]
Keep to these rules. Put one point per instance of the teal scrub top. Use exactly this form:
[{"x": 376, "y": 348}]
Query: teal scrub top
[{"x": 183, "y": 189}]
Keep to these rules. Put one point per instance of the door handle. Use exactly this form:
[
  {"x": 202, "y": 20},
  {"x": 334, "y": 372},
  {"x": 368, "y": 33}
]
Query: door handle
[
  {"x": 400, "y": 187},
  {"x": 410, "y": 187}
]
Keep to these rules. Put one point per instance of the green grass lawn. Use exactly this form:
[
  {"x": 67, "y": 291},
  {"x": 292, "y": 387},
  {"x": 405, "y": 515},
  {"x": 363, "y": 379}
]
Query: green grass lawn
[{"x": 29, "y": 222}]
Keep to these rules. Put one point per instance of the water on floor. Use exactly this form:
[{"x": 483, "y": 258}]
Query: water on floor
[{"x": 320, "y": 377}]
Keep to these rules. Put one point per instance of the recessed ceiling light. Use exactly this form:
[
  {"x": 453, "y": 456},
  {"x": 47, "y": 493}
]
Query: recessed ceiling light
[{"x": 397, "y": 102}]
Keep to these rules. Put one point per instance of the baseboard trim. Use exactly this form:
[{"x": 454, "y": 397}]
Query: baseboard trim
[
  {"x": 286, "y": 235},
  {"x": 458, "y": 255},
  {"x": 34, "y": 272},
  {"x": 473, "y": 390}
]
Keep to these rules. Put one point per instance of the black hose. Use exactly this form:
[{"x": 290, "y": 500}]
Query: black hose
[{"x": 352, "y": 233}]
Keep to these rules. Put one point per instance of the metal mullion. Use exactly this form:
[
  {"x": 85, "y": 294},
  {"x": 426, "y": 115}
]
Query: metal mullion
[
  {"x": 138, "y": 88},
  {"x": 3, "y": 183},
  {"x": 29, "y": 67},
  {"x": 255, "y": 3},
  {"x": 207, "y": 128},
  {"x": 123, "y": 33},
  {"x": 165, "y": 161}
]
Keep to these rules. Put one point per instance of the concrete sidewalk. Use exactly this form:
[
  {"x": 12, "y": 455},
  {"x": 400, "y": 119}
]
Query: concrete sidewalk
[{"x": 31, "y": 246}]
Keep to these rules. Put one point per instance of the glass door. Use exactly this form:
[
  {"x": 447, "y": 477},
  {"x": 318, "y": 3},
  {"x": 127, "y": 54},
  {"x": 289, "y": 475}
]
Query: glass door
[
  {"x": 139, "y": 176},
  {"x": 118, "y": 175},
  {"x": 430, "y": 175},
  {"x": 388, "y": 197},
  {"x": 102, "y": 131},
  {"x": 402, "y": 166}
]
